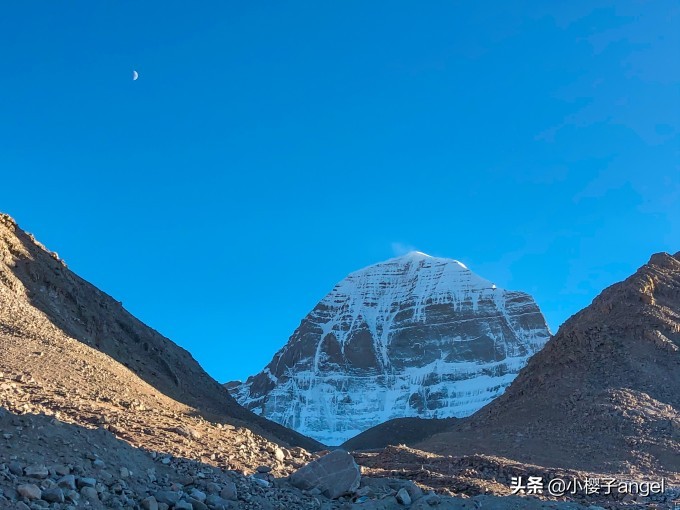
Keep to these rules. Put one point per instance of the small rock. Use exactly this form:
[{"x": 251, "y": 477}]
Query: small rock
[
  {"x": 124, "y": 472},
  {"x": 214, "y": 501},
  {"x": 403, "y": 497},
  {"x": 432, "y": 499},
  {"x": 55, "y": 495},
  {"x": 150, "y": 503},
  {"x": 15, "y": 468},
  {"x": 71, "y": 495},
  {"x": 263, "y": 469},
  {"x": 86, "y": 482},
  {"x": 229, "y": 491},
  {"x": 106, "y": 477},
  {"x": 29, "y": 491},
  {"x": 186, "y": 480},
  {"x": 260, "y": 481},
  {"x": 196, "y": 504},
  {"x": 48, "y": 484},
  {"x": 167, "y": 497},
  {"x": 89, "y": 493},
  {"x": 213, "y": 488},
  {"x": 62, "y": 470},
  {"x": 413, "y": 490},
  {"x": 67, "y": 482},
  {"x": 183, "y": 505},
  {"x": 37, "y": 471},
  {"x": 196, "y": 494},
  {"x": 279, "y": 455}
]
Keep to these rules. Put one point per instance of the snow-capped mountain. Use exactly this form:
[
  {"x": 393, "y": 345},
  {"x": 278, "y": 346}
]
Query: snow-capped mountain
[{"x": 413, "y": 336}]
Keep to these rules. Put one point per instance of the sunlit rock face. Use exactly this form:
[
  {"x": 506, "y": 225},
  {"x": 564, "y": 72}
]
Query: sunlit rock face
[{"x": 412, "y": 336}]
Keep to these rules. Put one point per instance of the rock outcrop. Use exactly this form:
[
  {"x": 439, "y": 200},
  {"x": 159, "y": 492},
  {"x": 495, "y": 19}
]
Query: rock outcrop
[
  {"x": 334, "y": 475},
  {"x": 412, "y": 336}
]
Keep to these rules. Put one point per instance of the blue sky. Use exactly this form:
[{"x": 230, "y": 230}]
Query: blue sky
[{"x": 270, "y": 148}]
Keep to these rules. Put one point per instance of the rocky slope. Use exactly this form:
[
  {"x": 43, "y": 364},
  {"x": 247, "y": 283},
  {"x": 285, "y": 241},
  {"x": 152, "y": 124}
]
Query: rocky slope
[
  {"x": 413, "y": 336},
  {"x": 46, "y": 463},
  {"x": 602, "y": 395},
  {"x": 70, "y": 351}
]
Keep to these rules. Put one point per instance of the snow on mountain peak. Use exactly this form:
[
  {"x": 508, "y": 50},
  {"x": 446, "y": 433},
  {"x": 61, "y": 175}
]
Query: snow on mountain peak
[
  {"x": 420, "y": 256},
  {"x": 415, "y": 255},
  {"x": 414, "y": 335}
]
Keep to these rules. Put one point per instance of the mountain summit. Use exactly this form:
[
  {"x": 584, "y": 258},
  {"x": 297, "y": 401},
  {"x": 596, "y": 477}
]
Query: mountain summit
[{"x": 412, "y": 336}]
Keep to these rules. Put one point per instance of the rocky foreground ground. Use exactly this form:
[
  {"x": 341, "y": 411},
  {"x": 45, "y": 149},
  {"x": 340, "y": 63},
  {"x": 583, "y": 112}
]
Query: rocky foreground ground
[{"x": 45, "y": 463}]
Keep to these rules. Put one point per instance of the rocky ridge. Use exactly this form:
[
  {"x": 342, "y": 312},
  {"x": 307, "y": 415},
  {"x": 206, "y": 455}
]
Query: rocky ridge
[
  {"x": 72, "y": 340},
  {"x": 70, "y": 352},
  {"x": 412, "y": 336},
  {"x": 602, "y": 394}
]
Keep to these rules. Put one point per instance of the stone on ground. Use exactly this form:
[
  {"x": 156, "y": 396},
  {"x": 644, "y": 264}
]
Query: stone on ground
[{"x": 334, "y": 474}]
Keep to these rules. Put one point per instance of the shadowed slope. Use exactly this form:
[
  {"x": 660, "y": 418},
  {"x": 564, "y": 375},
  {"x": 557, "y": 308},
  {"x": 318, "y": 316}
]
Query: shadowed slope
[
  {"x": 398, "y": 431},
  {"x": 74, "y": 340}
]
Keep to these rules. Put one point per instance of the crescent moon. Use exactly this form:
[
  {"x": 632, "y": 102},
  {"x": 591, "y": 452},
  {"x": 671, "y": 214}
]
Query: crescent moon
[{"x": 135, "y": 75}]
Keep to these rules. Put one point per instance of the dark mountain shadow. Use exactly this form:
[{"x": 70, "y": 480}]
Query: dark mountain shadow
[{"x": 398, "y": 431}]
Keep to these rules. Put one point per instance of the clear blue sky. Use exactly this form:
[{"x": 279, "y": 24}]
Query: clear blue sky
[{"x": 270, "y": 148}]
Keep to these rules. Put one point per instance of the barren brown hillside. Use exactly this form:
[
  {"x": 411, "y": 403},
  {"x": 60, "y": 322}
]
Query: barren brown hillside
[
  {"x": 603, "y": 394},
  {"x": 69, "y": 350}
]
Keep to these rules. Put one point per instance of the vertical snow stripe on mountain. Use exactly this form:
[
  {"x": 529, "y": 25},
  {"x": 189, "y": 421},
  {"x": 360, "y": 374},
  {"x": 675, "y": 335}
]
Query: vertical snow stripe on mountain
[{"x": 412, "y": 336}]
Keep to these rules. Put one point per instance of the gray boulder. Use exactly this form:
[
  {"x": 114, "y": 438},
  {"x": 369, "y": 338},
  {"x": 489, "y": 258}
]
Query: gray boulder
[
  {"x": 54, "y": 495},
  {"x": 37, "y": 471},
  {"x": 29, "y": 491},
  {"x": 168, "y": 497},
  {"x": 333, "y": 475}
]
